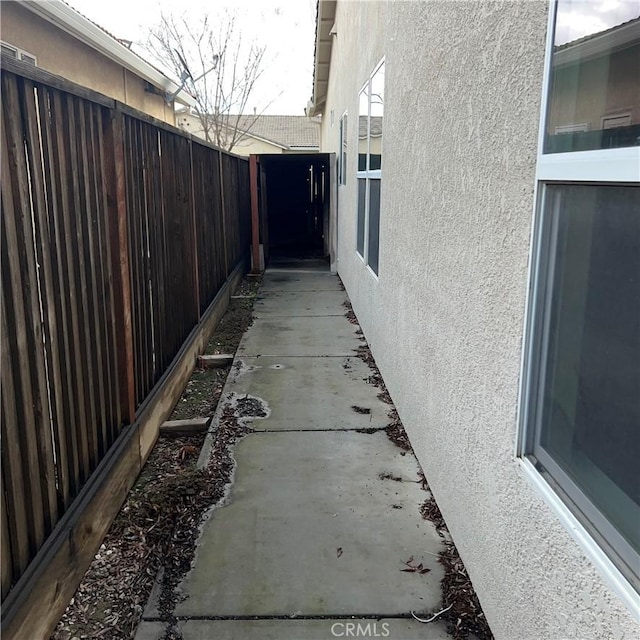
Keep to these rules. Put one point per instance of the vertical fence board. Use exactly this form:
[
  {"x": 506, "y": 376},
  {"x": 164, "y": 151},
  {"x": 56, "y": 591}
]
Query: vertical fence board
[
  {"x": 114, "y": 164},
  {"x": 45, "y": 412},
  {"x": 86, "y": 323},
  {"x": 102, "y": 264},
  {"x": 89, "y": 223},
  {"x": 51, "y": 294},
  {"x": 12, "y": 469},
  {"x": 21, "y": 284},
  {"x": 6, "y": 561},
  {"x": 116, "y": 236},
  {"x": 66, "y": 126}
]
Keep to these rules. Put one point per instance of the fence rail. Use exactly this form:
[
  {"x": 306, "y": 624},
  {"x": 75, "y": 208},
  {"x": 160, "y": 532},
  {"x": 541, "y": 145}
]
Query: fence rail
[{"x": 117, "y": 234}]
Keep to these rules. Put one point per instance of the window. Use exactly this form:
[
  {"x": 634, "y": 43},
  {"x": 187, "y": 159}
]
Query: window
[
  {"x": 370, "y": 117},
  {"x": 342, "y": 160},
  {"x": 17, "y": 54},
  {"x": 581, "y": 413}
]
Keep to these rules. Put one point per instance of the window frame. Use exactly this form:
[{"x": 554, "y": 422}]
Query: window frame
[
  {"x": 21, "y": 54},
  {"x": 343, "y": 148},
  {"x": 368, "y": 174},
  {"x": 619, "y": 167}
]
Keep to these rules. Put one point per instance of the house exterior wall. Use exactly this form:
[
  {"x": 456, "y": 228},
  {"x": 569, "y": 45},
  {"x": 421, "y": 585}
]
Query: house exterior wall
[
  {"x": 445, "y": 317},
  {"x": 62, "y": 54}
]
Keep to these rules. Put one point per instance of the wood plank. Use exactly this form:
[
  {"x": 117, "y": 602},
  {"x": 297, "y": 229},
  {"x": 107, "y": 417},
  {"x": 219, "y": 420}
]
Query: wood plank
[
  {"x": 163, "y": 234},
  {"x": 135, "y": 215},
  {"x": 73, "y": 408},
  {"x": 223, "y": 209},
  {"x": 76, "y": 258},
  {"x": 156, "y": 243},
  {"x": 179, "y": 427},
  {"x": 41, "y": 279},
  {"x": 117, "y": 203},
  {"x": 89, "y": 224},
  {"x": 194, "y": 236},
  {"x": 255, "y": 220},
  {"x": 21, "y": 288},
  {"x": 51, "y": 294},
  {"x": 12, "y": 469},
  {"x": 146, "y": 273},
  {"x": 102, "y": 265},
  {"x": 6, "y": 561},
  {"x": 217, "y": 361}
]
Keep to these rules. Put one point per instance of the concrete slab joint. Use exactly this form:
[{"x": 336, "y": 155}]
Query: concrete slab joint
[{"x": 321, "y": 516}]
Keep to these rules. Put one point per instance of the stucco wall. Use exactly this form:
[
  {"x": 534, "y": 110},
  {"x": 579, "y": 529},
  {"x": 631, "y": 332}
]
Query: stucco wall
[
  {"x": 62, "y": 54},
  {"x": 445, "y": 317}
]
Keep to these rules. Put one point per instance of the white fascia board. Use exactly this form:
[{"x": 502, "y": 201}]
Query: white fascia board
[
  {"x": 70, "y": 21},
  {"x": 597, "y": 46}
]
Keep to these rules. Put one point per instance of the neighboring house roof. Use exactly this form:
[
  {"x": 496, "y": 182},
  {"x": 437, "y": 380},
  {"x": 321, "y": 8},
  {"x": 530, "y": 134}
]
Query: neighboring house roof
[
  {"x": 598, "y": 44},
  {"x": 74, "y": 23},
  {"x": 376, "y": 127},
  {"x": 599, "y": 34},
  {"x": 289, "y": 132},
  {"x": 325, "y": 32}
]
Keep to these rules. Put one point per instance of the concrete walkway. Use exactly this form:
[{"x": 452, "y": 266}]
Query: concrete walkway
[{"x": 321, "y": 515}]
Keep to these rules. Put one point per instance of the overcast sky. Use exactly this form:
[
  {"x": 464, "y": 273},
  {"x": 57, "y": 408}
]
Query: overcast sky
[
  {"x": 286, "y": 27},
  {"x": 580, "y": 18}
]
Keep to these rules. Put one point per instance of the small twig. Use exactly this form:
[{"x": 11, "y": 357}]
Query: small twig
[{"x": 433, "y": 617}]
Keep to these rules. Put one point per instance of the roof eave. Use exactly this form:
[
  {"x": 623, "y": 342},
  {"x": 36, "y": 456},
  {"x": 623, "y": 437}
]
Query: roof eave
[
  {"x": 325, "y": 20},
  {"x": 69, "y": 20}
]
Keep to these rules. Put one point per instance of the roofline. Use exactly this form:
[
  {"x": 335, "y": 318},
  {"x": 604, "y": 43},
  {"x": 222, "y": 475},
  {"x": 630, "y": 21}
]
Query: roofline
[
  {"x": 69, "y": 20},
  {"x": 263, "y": 139},
  {"x": 596, "y": 44},
  {"x": 326, "y": 14}
]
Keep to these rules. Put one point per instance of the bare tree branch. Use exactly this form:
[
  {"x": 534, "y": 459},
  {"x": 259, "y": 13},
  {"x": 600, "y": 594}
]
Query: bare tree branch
[{"x": 222, "y": 94}]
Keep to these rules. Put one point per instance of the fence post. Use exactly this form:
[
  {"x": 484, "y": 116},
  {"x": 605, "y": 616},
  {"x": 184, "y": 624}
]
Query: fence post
[
  {"x": 117, "y": 206},
  {"x": 255, "y": 228}
]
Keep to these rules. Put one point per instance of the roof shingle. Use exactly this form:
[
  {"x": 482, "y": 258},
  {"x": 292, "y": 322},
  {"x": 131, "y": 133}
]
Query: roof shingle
[{"x": 287, "y": 131}]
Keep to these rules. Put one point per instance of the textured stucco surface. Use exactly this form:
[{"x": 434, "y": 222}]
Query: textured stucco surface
[{"x": 445, "y": 318}]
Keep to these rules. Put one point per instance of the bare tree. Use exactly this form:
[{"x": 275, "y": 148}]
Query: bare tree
[{"x": 220, "y": 68}]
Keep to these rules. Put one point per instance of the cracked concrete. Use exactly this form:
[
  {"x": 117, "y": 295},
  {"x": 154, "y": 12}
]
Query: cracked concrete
[{"x": 321, "y": 516}]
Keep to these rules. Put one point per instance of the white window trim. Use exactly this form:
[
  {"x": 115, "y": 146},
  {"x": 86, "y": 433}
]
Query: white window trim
[
  {"x": 619, "y": 166},
  {"x": 601, "y": 561},
  {"x": 367, "y": 174},
  {"x": 342, "y": 178},
  {"x": 20, "y": 53}
]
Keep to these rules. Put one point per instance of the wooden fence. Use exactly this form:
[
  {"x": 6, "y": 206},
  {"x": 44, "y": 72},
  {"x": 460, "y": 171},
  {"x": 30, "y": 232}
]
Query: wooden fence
[{"x": 117, "y": 234}]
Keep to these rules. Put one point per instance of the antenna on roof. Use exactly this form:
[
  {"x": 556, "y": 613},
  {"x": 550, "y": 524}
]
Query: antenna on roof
[{"x": 185, "y": 75}]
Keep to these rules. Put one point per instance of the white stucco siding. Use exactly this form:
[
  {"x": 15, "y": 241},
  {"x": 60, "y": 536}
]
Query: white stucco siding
[{"x": 445, "y": 319}]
